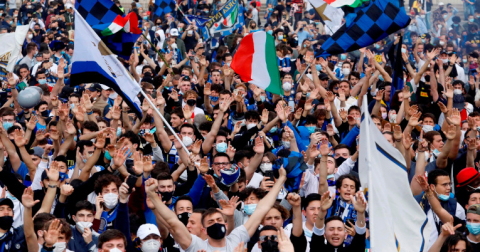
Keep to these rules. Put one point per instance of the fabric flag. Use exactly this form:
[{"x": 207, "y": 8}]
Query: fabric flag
[
  {"x": 12, "y": 46},
  {"x": 256, "y": 62},
  {"x": 396, "y": 61},
  {"x": 331, "y": 16},
  {"x": 163, "y": 7},
  {"x": 100, "y": 15},
  {"x": 199, "y": 21},
  {"x": 349, "y": 3},
  {"x": 366, "y": 25},
  {"x": 126, "y": 23},
  {"x": 93, "y": 62},
  {"x": 225, "y": 22},
  {"x": 397, "y": 222}
]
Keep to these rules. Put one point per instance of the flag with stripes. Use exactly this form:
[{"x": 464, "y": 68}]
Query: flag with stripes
[{"x": 225, "y": 22}]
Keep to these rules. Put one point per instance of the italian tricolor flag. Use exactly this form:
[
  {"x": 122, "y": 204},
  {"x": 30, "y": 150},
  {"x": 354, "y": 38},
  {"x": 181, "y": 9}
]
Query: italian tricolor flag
[
  {"x": 256, "y": 62},
  {"x": 350, "y": 3},
  {"x": 230, "y": 19},
  {"x": 129, "y": 23}
]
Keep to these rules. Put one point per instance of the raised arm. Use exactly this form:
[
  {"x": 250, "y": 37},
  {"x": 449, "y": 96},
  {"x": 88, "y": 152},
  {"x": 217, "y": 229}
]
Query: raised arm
[{"x": 210, "y": 138}]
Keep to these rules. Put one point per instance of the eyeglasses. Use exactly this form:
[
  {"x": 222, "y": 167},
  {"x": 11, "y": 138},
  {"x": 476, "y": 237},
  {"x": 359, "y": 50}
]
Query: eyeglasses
[
  {"x": 221, "y": 164},
  {"x": 446, "y": 185},
  {"x": 265, "y": 238}
]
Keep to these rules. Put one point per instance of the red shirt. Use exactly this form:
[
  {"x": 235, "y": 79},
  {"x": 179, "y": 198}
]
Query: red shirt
[{"x": 299, "y": 4}]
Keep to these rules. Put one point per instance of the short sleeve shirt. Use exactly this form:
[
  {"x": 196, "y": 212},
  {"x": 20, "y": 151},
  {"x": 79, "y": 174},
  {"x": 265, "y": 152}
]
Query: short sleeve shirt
[{"x": 238, "y": 235}]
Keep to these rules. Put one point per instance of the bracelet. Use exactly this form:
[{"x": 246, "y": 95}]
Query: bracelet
[
  {"x": 89, "y": 113},
  {"x": 420, "y": 151},
  {"x": 47, "y": 248},
  {"x": 398, "y": 140},
  {"x": 52, "y": 186}
]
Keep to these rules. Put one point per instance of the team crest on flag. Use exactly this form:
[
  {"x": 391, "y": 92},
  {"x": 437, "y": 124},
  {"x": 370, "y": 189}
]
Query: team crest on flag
[{"x": 227, "y": 19}]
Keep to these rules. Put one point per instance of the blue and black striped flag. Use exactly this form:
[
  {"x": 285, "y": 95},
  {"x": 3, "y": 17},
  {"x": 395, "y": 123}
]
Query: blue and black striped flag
[
  {"x": 97, "y": 13},
  {"x": 366, "y": 25}
]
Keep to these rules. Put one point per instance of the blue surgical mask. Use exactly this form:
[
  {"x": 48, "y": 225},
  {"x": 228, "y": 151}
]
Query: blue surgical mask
[
  {"x": 280, "y": 37},
  {"x": 107, "y": 155},
  {"x": 270, "y": 32},
  {"x": 249, "y": 209},
  {"x": 380, "y": 77},
  {"x": 42, "y": 81},
  {"x": 436, "y": 152},
  {"x": 473, "y": 228},
  {"x": 343, "y": 57},
  {"x": 307, "y": 232},
  {"x": 273, "y": 129},
  {"x": 145, "y": 18},
  {"x": 63, "y": 176},
  {"x": 119, "y": 132},
  {"x": 214, "y": 98},
  {"x": 72, "y": 106},
  {"x": 7, "y": 125},
  {"x": 311, "y": 129},
  {"x": 331, "y": 176},
  {"x": 442, "y": 197},
  {"x": 262, "y": 97},
  {"x": 471, "y": 20},
  {"x": 221, "y": 147},
  {"x": 318, "y": 67},
  {"x": 404, "y": 50},
  {"x": 377, "y": 46},
  {"x": 423, "y": 41}
]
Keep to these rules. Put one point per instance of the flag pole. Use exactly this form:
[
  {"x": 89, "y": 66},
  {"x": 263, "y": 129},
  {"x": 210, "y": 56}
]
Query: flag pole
[
  {"x": 156, "y": 50},
  {"x": 304, "y": 71},
  {"x": 163, "y": 119}
]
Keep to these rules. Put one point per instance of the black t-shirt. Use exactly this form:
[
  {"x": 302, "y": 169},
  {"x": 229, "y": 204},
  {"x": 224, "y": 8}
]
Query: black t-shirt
[{"x": 190, "y": 42}]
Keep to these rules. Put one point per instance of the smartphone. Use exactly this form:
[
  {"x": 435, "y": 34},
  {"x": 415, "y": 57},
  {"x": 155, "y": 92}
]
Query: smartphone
[
  {"x": 350, "y": 220},
  {"x": 269, "y": 175},
  {"x": 318, "y": 129},
  {"x": 131, "y": 181}
]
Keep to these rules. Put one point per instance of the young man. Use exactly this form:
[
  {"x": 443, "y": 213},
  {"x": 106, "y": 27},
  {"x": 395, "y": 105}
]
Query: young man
[
  {"x": 213, "y": 221},
  {"x": 112, "y": 240},
  {"x": 83, "y": 237},
  {"x": 17, "y": 237},
  {"x": 473, "y": 226}
]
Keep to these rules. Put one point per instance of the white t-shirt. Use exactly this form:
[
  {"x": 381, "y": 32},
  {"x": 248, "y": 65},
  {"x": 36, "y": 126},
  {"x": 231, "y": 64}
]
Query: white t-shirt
[
  {"x": 433, "y": 218},
  {"x": 257, "y": 178},
  {"x": 238, "y": 235}
]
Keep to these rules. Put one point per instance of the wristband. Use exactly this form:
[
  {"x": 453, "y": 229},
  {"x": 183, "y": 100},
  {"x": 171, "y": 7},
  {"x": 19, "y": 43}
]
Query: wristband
[
  {"x": 47, "y": 248},
  {"x": 89, "y": 113},
  {"x": 52, "y": 186}
]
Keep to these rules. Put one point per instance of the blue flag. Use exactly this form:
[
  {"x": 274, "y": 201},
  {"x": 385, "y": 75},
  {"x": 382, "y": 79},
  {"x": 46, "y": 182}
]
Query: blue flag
[
  {"x": 98, "y": 13},
  {"x": 225, "y": 22},
  {"x": 199, "y": 21},
  {"x": 366, "y": 25},
  {"x": 163, "y": 7}
]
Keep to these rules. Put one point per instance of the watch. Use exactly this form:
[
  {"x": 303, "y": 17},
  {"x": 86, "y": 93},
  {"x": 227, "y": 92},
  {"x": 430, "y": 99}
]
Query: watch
[{"x": 52, "y": 186}]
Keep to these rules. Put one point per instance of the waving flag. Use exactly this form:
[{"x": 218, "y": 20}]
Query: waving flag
[
  {"x": 199, "y": 21},
  {"x": 331, "y": 16},
  {"x": 93, "y": 62},
  {"x": 365, "y": 26},
  {"x": 163, "y": 7},
  {"x": 383, "y": 173},
  {"x": 228, "y": 19},
  {"x": 350, "y": 3},
  {"x": 117, "y": 31}
]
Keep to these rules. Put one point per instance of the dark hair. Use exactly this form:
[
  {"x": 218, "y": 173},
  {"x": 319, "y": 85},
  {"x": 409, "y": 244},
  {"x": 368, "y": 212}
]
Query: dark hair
[
  {"x": 83, "y": 205},
  {"x": 207, "y": 126},
  {"x": 187, "y": 125},
  {"x": 105, "y": 180},
  {"x": 259, "y": 193},
  {"x": 311, "y": 197},
  {"x": 221, "y": 154},
  {"x": 111, "y": 234},
  {"x": 40, "y": 220},
  {"x": 252, "y": 114},
  {"x": 178, "y": 112},
  {"x": 209, "y": 212},
  {"x": 160, "y": 167},
  {"x": 341, "y": 146},
  {"x": 82, "y": 143},
  {"x": 268, "y": 228},
  {"x": 453, "y": 240},
  {"x": 433, "y": 175},
  {"x": 61, "y": 158},
  {"x": 183, "y": 197},
  {"x": 431, "y": 116},
  {"x": 132, "y": 137},
  {"x": 339, "y": 181},
  {"x": 91, "y": 126},
  {"x": 40, "y": 104},
  {"x": 332, "y": 218},
  {"x": 164, "y": 176}
]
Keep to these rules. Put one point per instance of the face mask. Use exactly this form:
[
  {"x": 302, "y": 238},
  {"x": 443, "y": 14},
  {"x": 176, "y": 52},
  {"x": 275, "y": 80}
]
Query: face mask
[
  {"x": 473, "y": 228},
  {"x": 119, "y": 131},
  {"x": 191, "y": 103},
  {"x": 262, "y": 98},
  {"x": 286, "y": 144},
  {"x": 151, "y": 245},
  {"x": 273, "y": 129},
  {"x": 166, "y": 196},
  {"x": 269, "y": 246},
  {"x": 464, "y": 60},
  {"x": 377, "y": 46},
  {"x": 334, "y": 62},
  {"x": 251, "y": 125},
  {"x": 455, "y": 25},
  {"x": 45, "y": 113},
  {"x": 442, "y": 43},
  {"x": 427, "y": 128},
  {"x": 115, "y": 250},
  {"x": 404, "y": 50},
  {"x": 395, "y": 37},
  {"x": 174, "y": 46},
  {"x": 457, "y": 91},
  {"x": 190, "y": 33},
  {"x": 445, "y": 16},
  {"x": 346, "y": 71},
  {"x": 180, "y": 29},
  {"x": 471, "y": 20},
  {"x": 445, "y": 61},
  {"x": 81, "y": 225},
  {"x": 384, "y": 115},
  {"x": 423, "y": 41},
  {"x": 221, "y": 147},
  {"x": 10, "y": 196},
  {"x": 64, "y": 176},
  {"x": 331, "y": 176},
  {"x": 30, "y": 36},
  {"x": 6, "y": 222},
  {"x": 436, "y": 152},
  {"x": 216, "y": 231},
  {"x": 343, "y": 57},
  {"x": 7, "y": 125},
  {"x": 187, "y": 141},
  {"x": 280, "y": 37},
  {"x": 287, "y": 86},
  {"x": 249, "y": 209},
  {"x": 307, "y": 232},
  {"x": 214, "y": 98},
  {"x": 311, "y": 129},
  {"x": 42, "y": 81},
  {"x": 60, "y": 246},
  {"x": 111, "y": 200},
  {"x": 339, "y": 161},
  {"x": 266, "y": 167},
  {"x": 442, "y": 197},
  {"x": 270, "y": 32},
  {"x": 183, "y": 217}
]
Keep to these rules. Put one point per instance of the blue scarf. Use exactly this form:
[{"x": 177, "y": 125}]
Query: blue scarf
[
  {"x": 4, "y": 240},
  {"x": 105, "y": 219}
]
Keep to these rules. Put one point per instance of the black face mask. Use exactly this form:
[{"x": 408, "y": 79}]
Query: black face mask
[
  {"x": 6, "y": 222},
  {"x": 183, "y": 217},
  {"x": 270, "y": 246},
  {"x": 339, "y": 161},
  {"x": 217, "y": 231},
  {"x": 166, "y": 196},
  {"x": 191, "y": 102},
  {"x": 45, "y": 113}
]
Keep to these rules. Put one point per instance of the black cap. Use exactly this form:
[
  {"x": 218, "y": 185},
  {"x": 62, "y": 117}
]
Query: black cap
[
  {"x": 6, "y": 202},
  {"x": 66, "y": 91},
  {"x": 323, "y": 76},
  {"x": 443, "y": 52},
  {"x": 95, "y": 87}
]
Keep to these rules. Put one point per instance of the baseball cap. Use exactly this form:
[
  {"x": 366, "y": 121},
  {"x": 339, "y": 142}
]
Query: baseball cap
[
  {"x": 441, "y": 3},
  {"x": 323, "y": 76},
  {"x": 68, "y": 6},
  {"x": 174, "y": 32},
  {"x": 37, "y": 151},
  {"x": 105, "y": 87},
  {"x": 95, "y": 87},
  {"x": 474, "y": 209},
  {"x": 146, "y": 230},
  {"x": 6, "y": 202},
  {"x": 466, "y": 176}
]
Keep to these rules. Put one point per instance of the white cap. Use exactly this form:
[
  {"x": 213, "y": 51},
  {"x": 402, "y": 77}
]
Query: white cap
[
  {"x": 68, "y": 6},
  {"x": 105, "y": 87},
  {"x": 174, "y": 32},
  {"x": 146, "y": 230},
  {"x": 441, "y": 3}
]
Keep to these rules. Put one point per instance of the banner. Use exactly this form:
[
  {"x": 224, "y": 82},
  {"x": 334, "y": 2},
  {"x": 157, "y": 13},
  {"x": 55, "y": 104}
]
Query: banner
[
  {"x": 12, "y": 47},
  {"x": 225, "y": 21}
]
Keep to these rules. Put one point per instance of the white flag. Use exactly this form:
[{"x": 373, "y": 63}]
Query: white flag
[
  {"x": 332, "y": 16},
  {"x": 397, "y": 223},
  {"x": 12, "y": 46}
]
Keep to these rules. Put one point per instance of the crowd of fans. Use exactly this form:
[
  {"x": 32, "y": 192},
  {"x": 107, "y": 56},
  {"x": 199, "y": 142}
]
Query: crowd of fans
[{"x": 81, "y": 171}]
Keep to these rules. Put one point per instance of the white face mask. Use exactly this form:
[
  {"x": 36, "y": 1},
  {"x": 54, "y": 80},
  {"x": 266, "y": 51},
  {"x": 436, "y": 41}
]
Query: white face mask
[
  {"x": 81, "y": 225},
  {"x": 251, "y": 125},
  {"x": 287, "y": 86},
  {"x": 469, "y": 108},
  {"x": 457, "y": 91},
  {"x": 115, "y": 250},
  {"x": 189, "y": 32},
  {"x": 266, "y": 167},
  {"x": 346, "y": 71},
  {"x": 187, "y": 141},
  {"x": 441, "y": 42},
  {"x": 427, "y": 128},
  {"x": 60, "y": 246},
  {"x": 111, "y": 200},
  {"x": 174, "y": 46},
  {"x": 151, "y": 245},
  {"x": 384, "y": 116},
  {"x": 30, "y": 36}
]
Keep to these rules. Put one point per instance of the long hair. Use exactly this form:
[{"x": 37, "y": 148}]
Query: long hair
[{"x": 452, "y": 240}]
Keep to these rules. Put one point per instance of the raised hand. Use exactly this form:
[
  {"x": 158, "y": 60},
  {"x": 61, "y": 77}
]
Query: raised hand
[
  {"x": 137, "y": 163},
  {"x": 294, "y": 199},
  {"x": 264, "y": 116},
  {"x": 151, "y": 186},
  {"x": 414, "y": 119},
  {"x": 397, "y": 132},
  {"x": 359, "y": 203},
  {"x": 326, "y": 201},
  {"x": 66, "y": 190},
  {"x": 147, "y": 164},
  {"x": 284, "y": 243},
  {"x": 53, "y": 173},
  {"x": 455, "y": 118},
  {"x": 225, "y": 105},
  {"x": 259, "y": 146},
  {"x": 119, "y": 158},
  {"x": 379, "y": 95},
  {"x": 32, "y": 123},
  {"x": 341, "y": 95},
  {"x": 451, "y": 132},
  {"x": 343, "y": 114},
  {"x": 231, "y": 151},
  {"x": 27, "y": 198},
  {"x": 308, "y": 105},
  {"x": 207, "y": 90},
  {"x": 196, "y": 146},
  {"x": 100, "y": 142},
  {"x": 442, "y": 107},
  {"x": 330, "y": 96},
  {"x": 53, "y": 231},
  {"x": 228, "y": 208},
  {"x": 423, "y": 183},
  {"x": 204, "y": 165},
  {"x": 20, "y": 141},
  {"x": 387, "y": 127},
  {"x": 298, "y": 114},
  {"x": 324, "y": 148}
]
